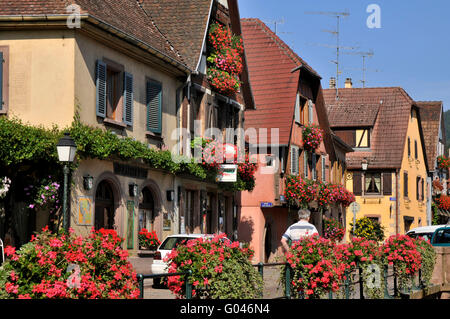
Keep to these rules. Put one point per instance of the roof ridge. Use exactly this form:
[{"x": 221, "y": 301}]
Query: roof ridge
[
  {"x": 172, "y": 46},
  {"x": 283, "y": 46}
]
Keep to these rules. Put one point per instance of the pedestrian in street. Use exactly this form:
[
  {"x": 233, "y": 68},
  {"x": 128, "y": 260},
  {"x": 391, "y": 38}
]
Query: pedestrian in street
[{"x": 300, "y": 229}]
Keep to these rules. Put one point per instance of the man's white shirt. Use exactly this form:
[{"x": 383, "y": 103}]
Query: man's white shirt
[{"x": 299, "y": 230}]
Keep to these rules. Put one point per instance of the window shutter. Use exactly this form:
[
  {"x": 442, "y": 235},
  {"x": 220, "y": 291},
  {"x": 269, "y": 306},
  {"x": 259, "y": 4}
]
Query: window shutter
[
  {"x": 313, "y": 168},
  {"x": 128, "y": 99},
  {"x": 310, "y": 112},
  {"x": 357, "y": 183},
  {"x": 154, "y": 100},
  {"x": 422, "y": 182},
  {"x": 100, "y": 82},
  {"x": 294, "y": 160},
  {"x": 324, "y": 177},
  {"x": 387, "y": 183},
  {"x": 305, "y": 163},
  {"x": 405, "y": 184},
  {"x": 297, "y": 109},
  {"x": 1, "y": 80}
]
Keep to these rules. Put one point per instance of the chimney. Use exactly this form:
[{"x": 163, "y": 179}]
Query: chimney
[
  {"x": 332, "y": 83},
  {"x": 348, "y": 83}
]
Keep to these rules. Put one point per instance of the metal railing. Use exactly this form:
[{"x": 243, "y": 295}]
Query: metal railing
[{"x": 347, "y": 283}]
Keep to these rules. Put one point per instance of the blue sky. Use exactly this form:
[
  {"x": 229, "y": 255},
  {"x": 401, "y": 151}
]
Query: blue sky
[{"x": 411, "y": 49}]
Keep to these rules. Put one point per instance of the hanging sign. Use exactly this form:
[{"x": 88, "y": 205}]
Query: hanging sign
[{"x": 227, "y": 173}]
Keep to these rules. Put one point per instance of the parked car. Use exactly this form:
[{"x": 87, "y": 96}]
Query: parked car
[
  {"x": 441, "y": 236},
  {"x": 158, "y": 265},
  {"x": 425, "y": 231}
]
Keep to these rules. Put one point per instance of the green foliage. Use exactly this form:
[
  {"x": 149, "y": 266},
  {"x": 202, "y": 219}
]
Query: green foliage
[
  {"x": 220, "y": 269},
  {"x": 428, "y": 259},
  {"x": 22, "y": 143}
]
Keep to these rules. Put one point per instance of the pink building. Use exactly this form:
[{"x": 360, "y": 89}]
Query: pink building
[{"x": 288, "y": 97}]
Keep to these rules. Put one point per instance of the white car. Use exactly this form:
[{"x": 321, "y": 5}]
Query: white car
[
  {"x": 425, "y": 231},
  {"x": 158, "y": 265}
]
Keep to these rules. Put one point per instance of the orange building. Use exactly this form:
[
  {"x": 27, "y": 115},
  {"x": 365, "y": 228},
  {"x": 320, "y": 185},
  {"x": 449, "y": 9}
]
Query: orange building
[{"x": 288, "y": 97}]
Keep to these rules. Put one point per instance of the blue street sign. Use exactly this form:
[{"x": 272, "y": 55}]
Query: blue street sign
[{"x": 266, "y": 204}]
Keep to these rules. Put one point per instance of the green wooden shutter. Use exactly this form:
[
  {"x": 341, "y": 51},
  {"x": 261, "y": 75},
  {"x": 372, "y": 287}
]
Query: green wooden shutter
[
  {"x": 154, "y": 106},
  {"x": 1, "y": 81},
  {"x": 100, "y": 82},
  {"x": 305, "y": 163},
  {"x": 128, "y": 99}
]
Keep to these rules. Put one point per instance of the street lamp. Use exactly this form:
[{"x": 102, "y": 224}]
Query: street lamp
[
  {"x": 364, "y": 164},
  {"x": 66, "y": 153}
]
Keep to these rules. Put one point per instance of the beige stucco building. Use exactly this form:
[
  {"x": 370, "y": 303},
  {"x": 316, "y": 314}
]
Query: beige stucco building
[{"x": 116, "y": 70}]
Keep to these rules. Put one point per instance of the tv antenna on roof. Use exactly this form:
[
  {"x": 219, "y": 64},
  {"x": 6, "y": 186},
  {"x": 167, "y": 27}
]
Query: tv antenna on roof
[
  {"x": 275, "y": 23},
  {"x": 338, "y": 16},
  {"x": 363, "y": 55}
]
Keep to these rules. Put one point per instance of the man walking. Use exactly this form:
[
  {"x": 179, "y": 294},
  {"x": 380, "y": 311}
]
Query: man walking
[{"x": 298, "y": 230}]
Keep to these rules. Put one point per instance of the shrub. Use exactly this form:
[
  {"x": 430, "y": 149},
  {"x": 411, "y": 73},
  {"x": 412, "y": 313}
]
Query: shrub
[
  {"x": 368, "y": 229},
  {"x": 315, "y": 268},
  {"x": 66, "y": 266},
  {"x": 401, "y": 252},
  {"x": 428, "y": 259},
  {"x": 220, "y": 269}
]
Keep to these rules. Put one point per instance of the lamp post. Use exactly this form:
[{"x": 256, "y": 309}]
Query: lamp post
[{"x": 66, "y": 153}]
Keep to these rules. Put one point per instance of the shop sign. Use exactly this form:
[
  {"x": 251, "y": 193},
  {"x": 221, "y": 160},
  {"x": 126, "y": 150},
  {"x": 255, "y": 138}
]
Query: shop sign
[{"x": 227, "y": 173}]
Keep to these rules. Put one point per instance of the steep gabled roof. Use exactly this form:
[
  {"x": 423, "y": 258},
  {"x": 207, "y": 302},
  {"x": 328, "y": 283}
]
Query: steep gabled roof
[
  {"x": 388, "y": 112},
  {"x": 126, "y": 16},
  {"x": 184, "y": 22},
  {"x": 270, "y": 62},
  {"x": 431, "y": 113}
]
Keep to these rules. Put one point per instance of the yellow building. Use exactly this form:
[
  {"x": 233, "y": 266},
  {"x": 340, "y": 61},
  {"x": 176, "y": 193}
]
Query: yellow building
[{"x": 387, "y": 171}]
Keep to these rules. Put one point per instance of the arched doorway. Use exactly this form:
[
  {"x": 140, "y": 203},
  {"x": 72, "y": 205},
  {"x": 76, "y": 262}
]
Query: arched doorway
[
  {"x": 146, "y": 210},
  {"x": 104, "y": 206}
]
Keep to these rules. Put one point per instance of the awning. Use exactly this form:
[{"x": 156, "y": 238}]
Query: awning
[{"x": 443, "y": 212}]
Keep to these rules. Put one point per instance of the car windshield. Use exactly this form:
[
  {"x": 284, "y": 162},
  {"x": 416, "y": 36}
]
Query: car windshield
[
  {"x": 442, "y": 236},
  {"x": 171, "y": 242}
]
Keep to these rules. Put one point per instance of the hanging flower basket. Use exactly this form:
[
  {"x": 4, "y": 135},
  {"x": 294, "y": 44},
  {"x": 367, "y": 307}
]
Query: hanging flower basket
[
  {"x": 312, "y": 137},
  {"x": 443, "y": 161},
  {"x": 225, "y": 60},
  {"x": 148, "y": 240}
]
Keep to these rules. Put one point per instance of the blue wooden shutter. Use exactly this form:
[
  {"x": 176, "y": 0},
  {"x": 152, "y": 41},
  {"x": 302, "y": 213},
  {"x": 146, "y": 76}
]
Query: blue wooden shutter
[
  {"x": 128, "y": 99},
  {"x": 1, "y": 81},
  {"x": 154, "y": 106},
  {"x": 100, "y": 83}
]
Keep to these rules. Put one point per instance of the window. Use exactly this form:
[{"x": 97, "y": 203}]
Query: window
[
  {"x": 409, "y": 147},
  {"x": 4, "y": 77},
  {"x": 154, "y": 106},
  {"x": 405, "y": 184},
  {"x": 114, "y": 96},
  {"x": 294, "y": 160},
  {"x": 372, "y": 183},
  {"x": 356, "y": 138},
  {"x": 416, "y": 155}
]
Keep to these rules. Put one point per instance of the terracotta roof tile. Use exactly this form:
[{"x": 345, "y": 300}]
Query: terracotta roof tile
[
  {"x": 274, "y": 87},
  {"x": 125, "y": 15},
  {"x": 387, "y": 110},
  {"x": 431, "y": 118},
  {"x": 184, "y": 22}
]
